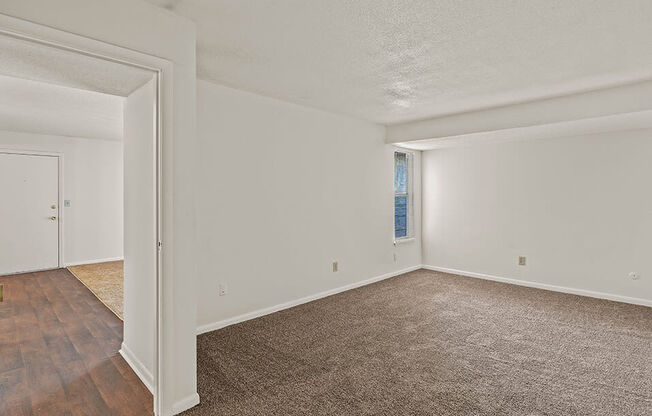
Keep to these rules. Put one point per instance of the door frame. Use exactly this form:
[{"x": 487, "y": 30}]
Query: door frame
[
  {"x": 60, "y": 185},
  {"x": 162, "y": 70}
]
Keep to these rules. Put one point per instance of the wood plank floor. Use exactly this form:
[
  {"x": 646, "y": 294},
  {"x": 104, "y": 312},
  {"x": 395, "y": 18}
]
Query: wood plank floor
[{"x": 59, "y": 351}]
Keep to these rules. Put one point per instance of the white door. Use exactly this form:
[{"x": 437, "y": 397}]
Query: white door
[{"x": 29, "y": 213}]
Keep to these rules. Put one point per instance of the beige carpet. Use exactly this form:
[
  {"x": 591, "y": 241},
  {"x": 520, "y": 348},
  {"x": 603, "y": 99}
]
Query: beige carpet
[
  {"x": 429, "y": 343},
  {"x": 105, "y": 280}
]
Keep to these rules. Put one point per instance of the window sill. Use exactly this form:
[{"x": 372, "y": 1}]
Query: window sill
[{"x": 401, "y": 241}]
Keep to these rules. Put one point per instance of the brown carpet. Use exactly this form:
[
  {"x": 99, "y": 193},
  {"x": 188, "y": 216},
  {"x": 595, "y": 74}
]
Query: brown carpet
[
  {"x": 428, "y": 343},
  {"x": 105, "y": 280}
]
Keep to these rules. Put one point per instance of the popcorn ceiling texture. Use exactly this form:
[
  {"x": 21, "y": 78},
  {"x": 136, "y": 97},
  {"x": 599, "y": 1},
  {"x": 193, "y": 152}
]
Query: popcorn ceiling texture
[
  {"x": 29, "y": 60},
  {"x": 391, "y": 61},
  {"x": 43, "y": 108}
]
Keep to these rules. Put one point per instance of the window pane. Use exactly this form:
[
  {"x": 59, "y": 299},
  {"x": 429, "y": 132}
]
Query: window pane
[
  {"x": 400, "y": 173},
  {"x": 401, "y": 197},
  {"x": 400, "y": 216}
]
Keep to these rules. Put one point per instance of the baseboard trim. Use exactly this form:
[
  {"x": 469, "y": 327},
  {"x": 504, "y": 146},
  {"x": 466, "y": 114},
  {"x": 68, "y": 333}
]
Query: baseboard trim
[
  {"x": 81, "y": 263},
  {"x": 266, "y": 311},
  {"x": 545, "y": 286},
  {"x": 185, "y": 404},
  {"x": 138, "y": 367}
]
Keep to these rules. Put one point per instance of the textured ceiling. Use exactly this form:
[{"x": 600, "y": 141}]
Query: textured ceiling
[
  {"x": 38, "y": 107},
  {"x": 37, "y": 62},
  {"x": 390, "y": 61}
]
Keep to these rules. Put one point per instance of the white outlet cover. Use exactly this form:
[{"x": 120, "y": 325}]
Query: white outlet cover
[{"x": 634, "y": 275}]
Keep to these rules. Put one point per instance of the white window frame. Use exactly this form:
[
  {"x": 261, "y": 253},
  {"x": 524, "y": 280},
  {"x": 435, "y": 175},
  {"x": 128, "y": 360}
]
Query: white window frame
[{"x": 410, "y": 196}]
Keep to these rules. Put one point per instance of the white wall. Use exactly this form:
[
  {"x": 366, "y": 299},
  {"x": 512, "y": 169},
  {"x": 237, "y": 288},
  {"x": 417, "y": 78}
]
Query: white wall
[
  {"x": 285, "y": 191},
  {"x": 139, "y": 337},
  {"x": 92, "y": 181},
  {"x": 579, "y": 208}
]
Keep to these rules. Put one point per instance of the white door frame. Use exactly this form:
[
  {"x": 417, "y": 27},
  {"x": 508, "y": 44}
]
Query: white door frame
[
  {"x": 60, "y": 185},
  {"x": 162, "y": 71}
]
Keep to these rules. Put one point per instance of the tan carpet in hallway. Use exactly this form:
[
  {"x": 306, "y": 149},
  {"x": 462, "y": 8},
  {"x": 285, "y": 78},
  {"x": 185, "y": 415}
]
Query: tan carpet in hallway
[
  {"x": 429, "y": 343},
  {"x": 105, "y": 280}
]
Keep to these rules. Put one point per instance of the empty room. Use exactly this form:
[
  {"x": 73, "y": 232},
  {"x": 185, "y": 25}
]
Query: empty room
[{"x": 328, "y": 207}]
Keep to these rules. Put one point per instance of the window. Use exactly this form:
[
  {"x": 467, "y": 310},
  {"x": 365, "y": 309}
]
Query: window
[{"x": 403, "y": 195}]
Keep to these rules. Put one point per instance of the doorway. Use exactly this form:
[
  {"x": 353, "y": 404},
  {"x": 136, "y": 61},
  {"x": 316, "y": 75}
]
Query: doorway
[{"x": 76, "y": 322}]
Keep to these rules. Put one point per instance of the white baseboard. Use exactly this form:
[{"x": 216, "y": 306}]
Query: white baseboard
[
  {"x": 185, "y": 404},
  {"x": 141, "y": 371},
  {"x": 545, "y": 286},
  {"x": 266, "y": 311},
  {"x": 79, "y": 263}
]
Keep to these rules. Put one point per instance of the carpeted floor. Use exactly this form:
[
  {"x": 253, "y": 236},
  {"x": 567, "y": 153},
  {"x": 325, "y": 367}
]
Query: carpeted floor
[
  {"x": 105, "y": 280},
  {"x": 428, "y": 343}
]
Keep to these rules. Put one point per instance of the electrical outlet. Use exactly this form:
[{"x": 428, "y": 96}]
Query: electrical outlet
[
  {"x": 223, "y": 289},
  {"x": 522, "y": 260},
  {"x": 335, "y": 268},
  {"x": 634, "y": 276}
]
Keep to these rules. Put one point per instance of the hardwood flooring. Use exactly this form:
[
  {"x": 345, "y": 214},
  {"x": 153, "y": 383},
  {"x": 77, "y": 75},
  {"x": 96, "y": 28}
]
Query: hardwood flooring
[{"x": 59, "y": 351}]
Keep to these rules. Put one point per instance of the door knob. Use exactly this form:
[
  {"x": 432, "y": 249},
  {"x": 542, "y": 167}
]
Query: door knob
[
  {"x": 53, "y": 207},
  {"x": 53, "y": 218}
]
